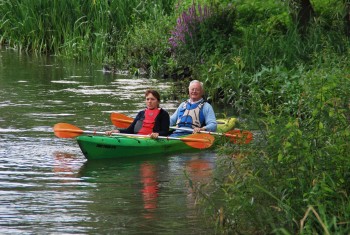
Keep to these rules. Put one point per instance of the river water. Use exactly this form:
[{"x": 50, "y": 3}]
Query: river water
[{"x": 46, "y": 184}]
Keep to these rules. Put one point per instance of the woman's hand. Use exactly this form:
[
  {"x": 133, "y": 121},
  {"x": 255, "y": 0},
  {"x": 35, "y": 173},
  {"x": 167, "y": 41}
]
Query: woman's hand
[
  {"x": 154, "y": 135},
  {"x": 111, "y": 132}
]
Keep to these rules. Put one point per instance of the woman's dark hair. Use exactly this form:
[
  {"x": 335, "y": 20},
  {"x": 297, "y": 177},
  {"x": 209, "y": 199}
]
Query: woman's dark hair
[{"x": 154, "y": 93}]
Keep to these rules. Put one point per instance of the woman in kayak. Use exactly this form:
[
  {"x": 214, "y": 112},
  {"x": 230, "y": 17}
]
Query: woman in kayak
[{"x": 153, "y": 121}]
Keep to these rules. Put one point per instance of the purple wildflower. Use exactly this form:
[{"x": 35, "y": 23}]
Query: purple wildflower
[{"x": 187, "y": 24}]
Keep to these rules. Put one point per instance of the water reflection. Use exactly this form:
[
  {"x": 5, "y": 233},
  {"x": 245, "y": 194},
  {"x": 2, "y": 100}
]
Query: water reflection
[
  {"x": 200, "y": 169},
  {"x": 125, "y": 191},
  {"x": 150, "y": 188},
  {"x": 66, "y": 166}
]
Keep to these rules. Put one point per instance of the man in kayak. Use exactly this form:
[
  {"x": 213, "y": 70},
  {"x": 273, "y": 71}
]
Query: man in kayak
[
  {"x": 194, "y": 113},
  {"x": 152, "y": 121}
]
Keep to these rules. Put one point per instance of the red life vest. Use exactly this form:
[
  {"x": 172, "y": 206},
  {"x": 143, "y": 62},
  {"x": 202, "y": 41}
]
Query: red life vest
[{"x": 149, "y": 121}]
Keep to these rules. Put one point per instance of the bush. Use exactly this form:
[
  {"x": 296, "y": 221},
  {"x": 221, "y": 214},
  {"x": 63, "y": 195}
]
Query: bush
[
  {"x": 200, "y": 31},
  {"x": 294, "y": 178}
]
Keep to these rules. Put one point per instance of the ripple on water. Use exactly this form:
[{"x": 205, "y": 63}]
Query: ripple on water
[
  {"x": 86, "y": 91},
  {"x": 39, "y": 178},
  {"x": 66, "y": 82}
]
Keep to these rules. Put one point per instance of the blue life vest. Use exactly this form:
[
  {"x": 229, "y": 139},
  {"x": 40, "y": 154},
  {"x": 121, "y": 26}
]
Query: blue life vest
[{"x": 191, "y": 115}]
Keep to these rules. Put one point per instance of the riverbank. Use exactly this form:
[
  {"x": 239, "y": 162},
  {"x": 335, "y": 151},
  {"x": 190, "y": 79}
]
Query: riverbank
[{"x": 291, "y": 84}]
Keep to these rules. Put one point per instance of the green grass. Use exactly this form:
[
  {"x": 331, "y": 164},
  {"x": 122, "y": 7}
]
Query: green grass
[{"x": 74, "y": 29}]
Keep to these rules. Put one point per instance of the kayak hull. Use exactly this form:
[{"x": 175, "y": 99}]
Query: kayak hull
[
  {"x": 107, "y": 147},
  {"x": 226, "y": 124},
  {"x": 103, "y": 147}
]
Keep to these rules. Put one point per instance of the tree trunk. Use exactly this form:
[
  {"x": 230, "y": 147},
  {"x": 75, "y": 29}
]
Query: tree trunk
[
  {"x": 304, "y": 12},
  {"x": 347, "y": 17}
]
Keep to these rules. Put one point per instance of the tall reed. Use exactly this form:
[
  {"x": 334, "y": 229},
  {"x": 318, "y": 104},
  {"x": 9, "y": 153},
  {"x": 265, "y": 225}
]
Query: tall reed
[{"x": 80, "y": 29}]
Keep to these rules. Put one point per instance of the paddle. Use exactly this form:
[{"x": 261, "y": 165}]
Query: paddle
[
  {"x": 236, "y": 136},
  {"x": 122, "y": 121},
  {"x": 198, "y": 140}
]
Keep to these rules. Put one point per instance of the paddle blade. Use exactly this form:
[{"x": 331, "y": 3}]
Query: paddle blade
[
  {"x": 121, "y": 120},
  {"x": 239, "y": 136},
  {"x": 199, "y": 140},
  {"x": 65, "y": 130}
]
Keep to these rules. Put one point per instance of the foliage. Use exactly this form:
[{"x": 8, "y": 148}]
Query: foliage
[
  {"x": 75, "y": 29},
  {"x": 265, "y": 71},
  {"x": 199, "y": 32},
  {"x": 294, "y": 179},
  {"x": 144, "y": 47},
  {"x": 187, "y": 24}
]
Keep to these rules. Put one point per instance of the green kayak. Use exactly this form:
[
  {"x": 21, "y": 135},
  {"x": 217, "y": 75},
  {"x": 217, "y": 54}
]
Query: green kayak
[{"x": 101, "y": 147}]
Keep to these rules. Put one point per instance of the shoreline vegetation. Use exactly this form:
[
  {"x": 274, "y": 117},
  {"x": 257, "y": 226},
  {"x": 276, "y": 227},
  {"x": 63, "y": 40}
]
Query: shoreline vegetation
[{"x": 282, "y": 65}]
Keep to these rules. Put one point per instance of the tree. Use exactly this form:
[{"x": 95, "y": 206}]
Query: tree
[
  {"x": 302, "y": 12},
  {"x": 347, "y": 17}
]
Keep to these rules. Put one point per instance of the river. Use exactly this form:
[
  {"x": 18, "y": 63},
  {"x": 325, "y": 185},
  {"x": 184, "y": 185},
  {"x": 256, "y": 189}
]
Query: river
[{"x": 46, "y": 184}]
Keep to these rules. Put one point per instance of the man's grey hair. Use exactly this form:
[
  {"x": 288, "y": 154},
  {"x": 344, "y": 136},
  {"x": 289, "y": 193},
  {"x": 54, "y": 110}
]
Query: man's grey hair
[{"x": 196, "y": 81}]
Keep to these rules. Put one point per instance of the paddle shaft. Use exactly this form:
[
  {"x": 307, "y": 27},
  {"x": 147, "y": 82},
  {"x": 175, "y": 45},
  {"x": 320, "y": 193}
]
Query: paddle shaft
[
  {"x": 236, "y": 136},
  {"x": 207, "y": 132},
  {"x": 135, "y": 135},
  {"x": 119, "y": 117},
  {"x": 128, "y": 121}
]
